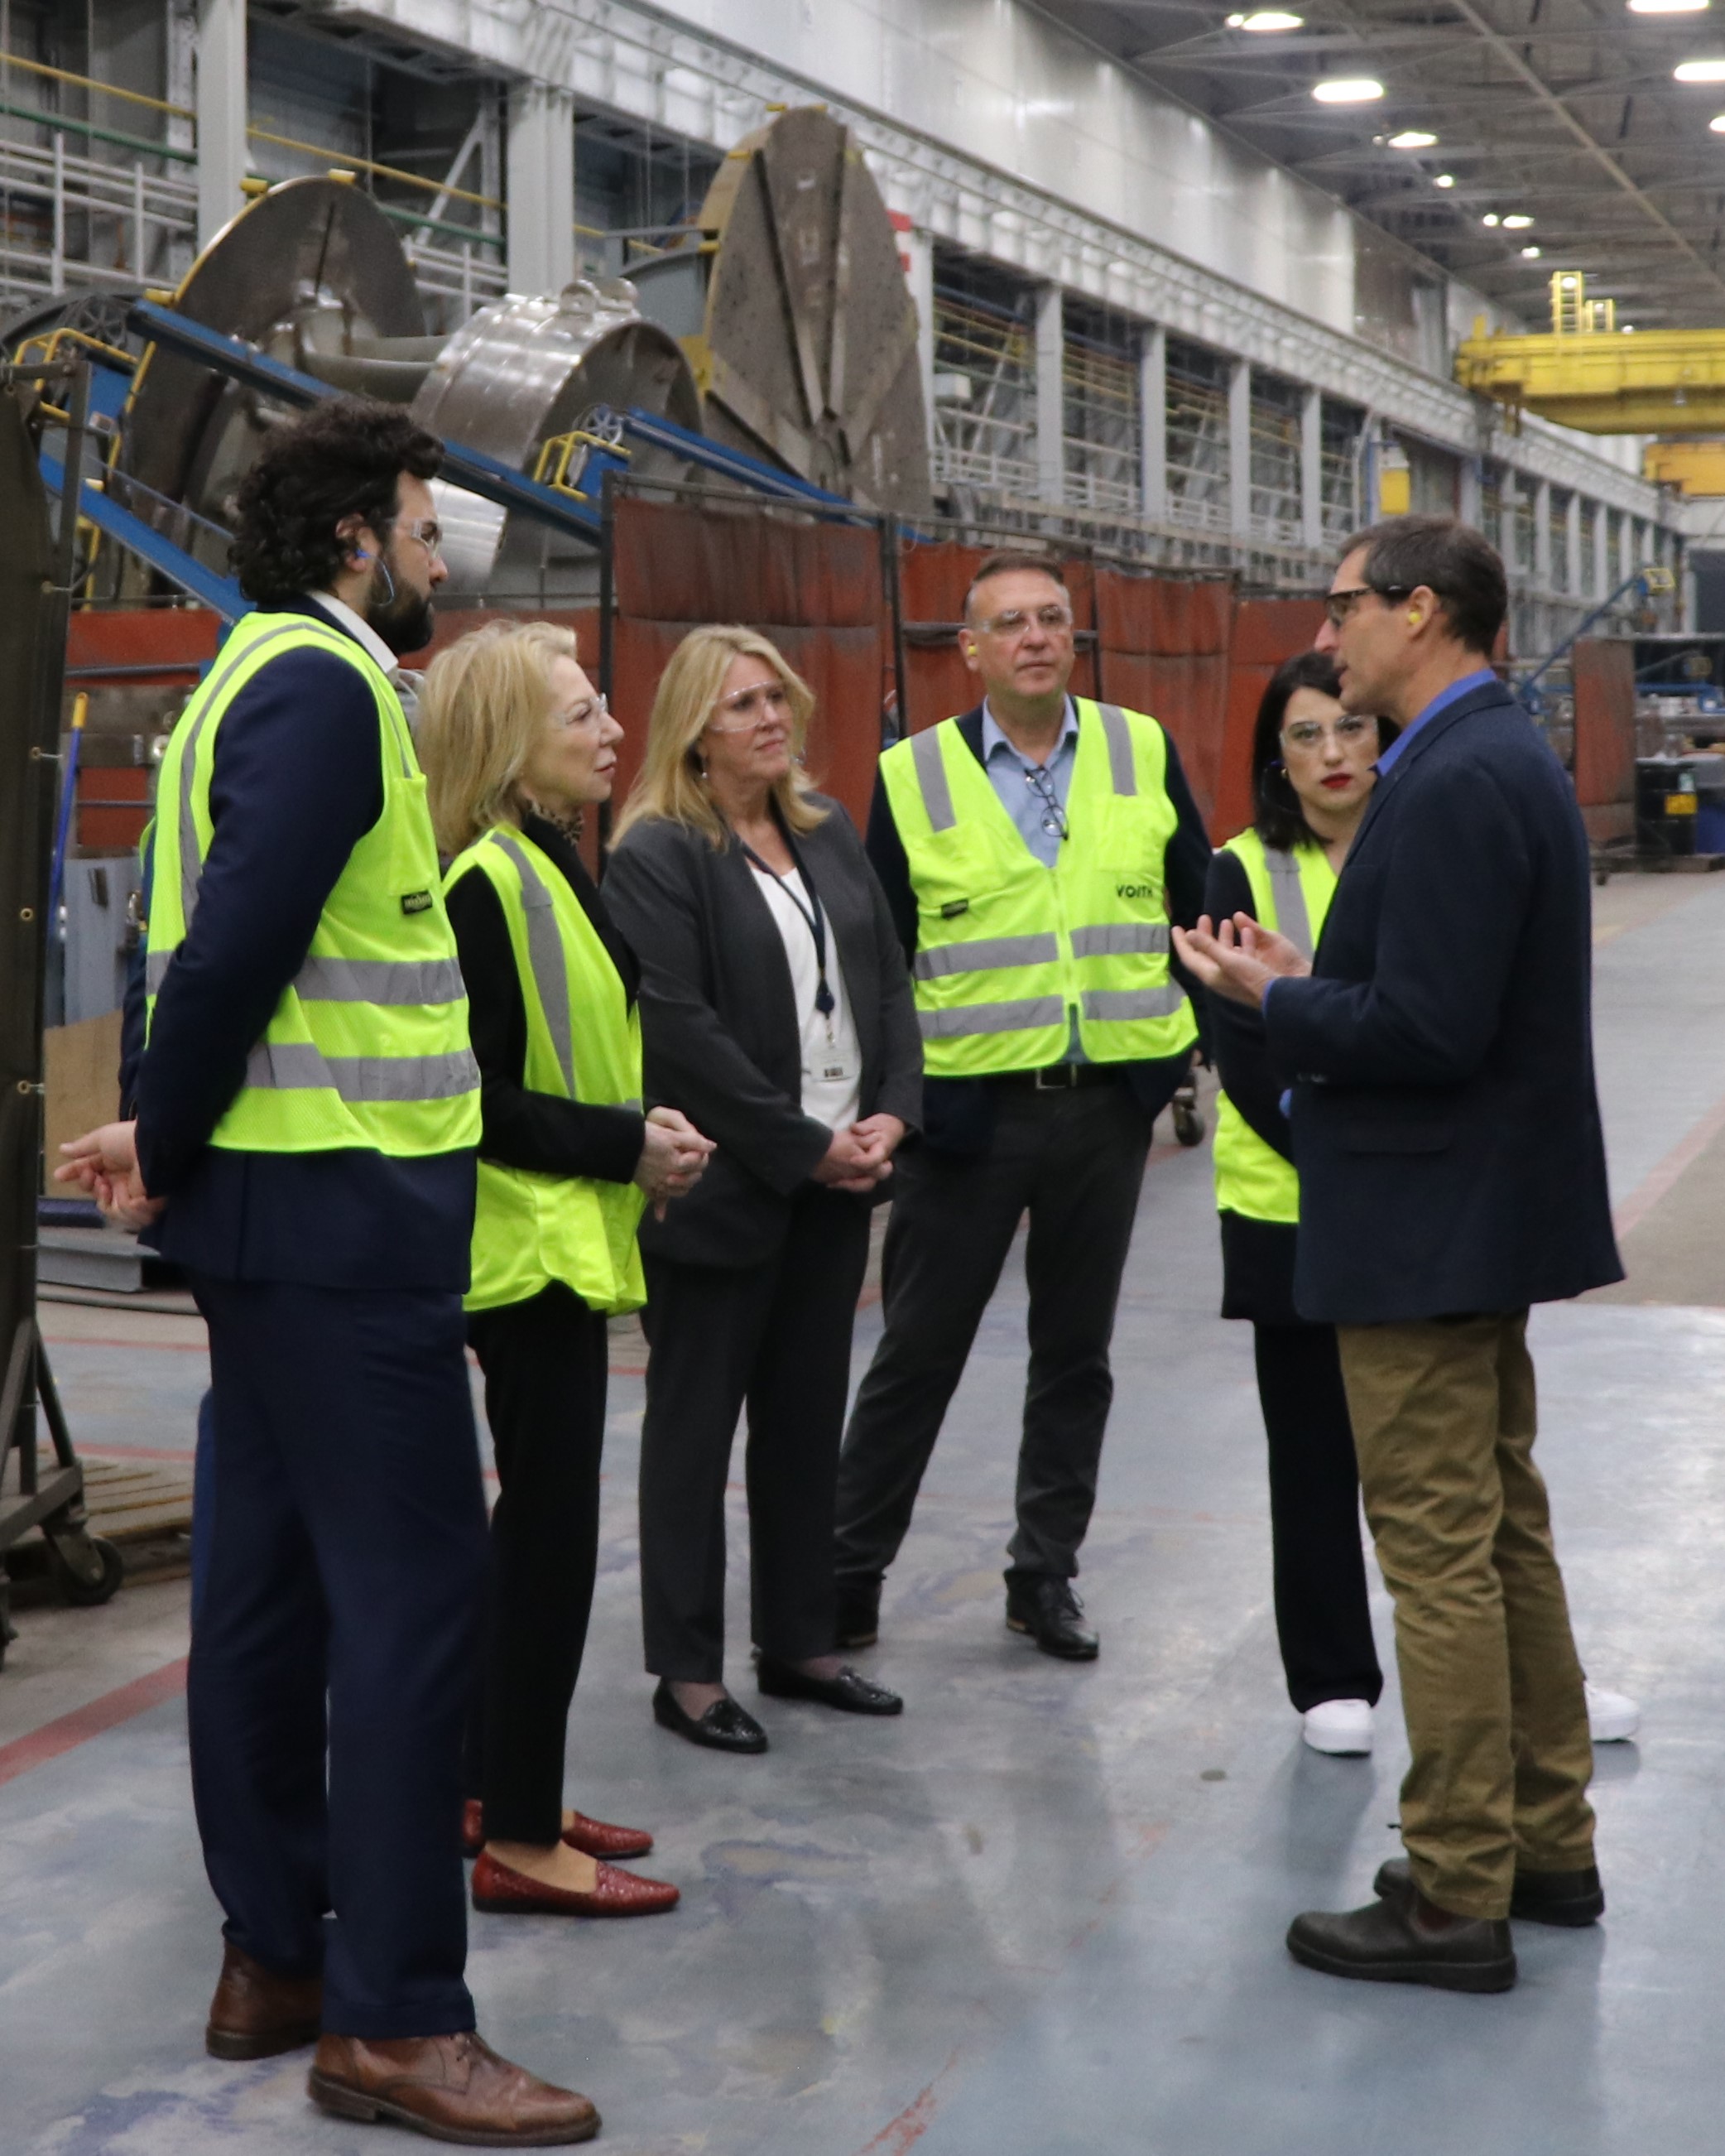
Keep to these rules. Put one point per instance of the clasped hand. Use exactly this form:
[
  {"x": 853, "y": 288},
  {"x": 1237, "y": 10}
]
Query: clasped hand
[
  {"x": 1237, "y": 959},
  {"x": 862, "y": 1157},
  {"x": 673, "y": 1155},
  {"x": 103, "y": 1164}
]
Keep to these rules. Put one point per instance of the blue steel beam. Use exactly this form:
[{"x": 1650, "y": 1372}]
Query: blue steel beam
[{"x": 221, "y": 594}]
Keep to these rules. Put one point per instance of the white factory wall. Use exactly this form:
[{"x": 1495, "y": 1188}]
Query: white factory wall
[{"x": 1000, "y": 84}]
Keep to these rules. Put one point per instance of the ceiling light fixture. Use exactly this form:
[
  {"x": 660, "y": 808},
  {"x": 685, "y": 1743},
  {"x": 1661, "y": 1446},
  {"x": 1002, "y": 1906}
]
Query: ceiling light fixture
[
  {"x": 1274, "y": 19},
  {"x": 1347, "y": 90},
  {"x": 1491, "y": 217},
  {"x": 1413, "y": 138},
  {"x": 1517, "y": 222},
  {"x": 1717, "y": 123},
  {"x": 1445, "y": 180},
  {"x": 1700, "y": 71},
  {"x": 1667, "y": 6},
  {"x": 1531, "y": 253}
]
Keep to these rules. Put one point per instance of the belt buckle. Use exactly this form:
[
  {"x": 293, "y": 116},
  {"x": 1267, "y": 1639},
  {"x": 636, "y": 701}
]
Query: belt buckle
[{"x": 1064, "y": 1084}]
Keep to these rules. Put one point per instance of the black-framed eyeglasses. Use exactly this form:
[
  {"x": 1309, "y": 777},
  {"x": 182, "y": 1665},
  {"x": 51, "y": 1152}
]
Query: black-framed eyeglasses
[
  {"x": 1338, "y": 605},
  {"x": 1038, "y": 777}
]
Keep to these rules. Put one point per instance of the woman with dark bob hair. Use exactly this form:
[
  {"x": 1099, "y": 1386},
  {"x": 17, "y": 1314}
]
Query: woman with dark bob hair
[{"x": 1312, "y": 771}]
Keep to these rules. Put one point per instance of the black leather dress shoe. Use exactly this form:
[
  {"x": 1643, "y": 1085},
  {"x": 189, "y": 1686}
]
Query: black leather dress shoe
[
  {"x": 858, "y": 1623},
  {"x": 725, "y": 1727},
  {"x": 1048, "y": 1610},
  {"x": 850, "y": 1691},
  {"x": 1569, "y": 1898},
  {"x": 1406, "y": 1942}
]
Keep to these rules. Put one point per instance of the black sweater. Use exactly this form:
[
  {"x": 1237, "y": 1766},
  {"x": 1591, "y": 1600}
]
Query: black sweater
[{"x": 540, "y": 1131}]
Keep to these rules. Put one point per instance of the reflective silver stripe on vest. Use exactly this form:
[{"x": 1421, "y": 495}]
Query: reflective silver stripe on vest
[
  {"x": 987, "y": 953},
  {"x": 1119, "y": 1004},
  {"x": 297, "y": 1066},
  {"x": 155, "y": 964},
  {"x": 1121, "y": 939},
  {"x": 992, "y": 1018},
  {"x": 931, "y": 777},
  {"x": 380, "y": 980},
  {"x": 545, "y": 954},
  {"x": 1122, "y": 767},
  {"x": 190, "y": 865},
  {"x": 1289, "y": 893}
]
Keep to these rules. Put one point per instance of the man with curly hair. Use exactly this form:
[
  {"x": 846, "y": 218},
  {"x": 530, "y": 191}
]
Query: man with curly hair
[{"x": 308, "y": 1107}]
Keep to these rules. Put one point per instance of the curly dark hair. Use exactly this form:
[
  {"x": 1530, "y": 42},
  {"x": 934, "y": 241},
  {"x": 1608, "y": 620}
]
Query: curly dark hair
[
  {"x": 342, "y": 459},
  {"x": 1276, "y": 815}
]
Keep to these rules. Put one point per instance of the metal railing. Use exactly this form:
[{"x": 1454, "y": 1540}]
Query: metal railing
[{"x": 85, "y": 220}]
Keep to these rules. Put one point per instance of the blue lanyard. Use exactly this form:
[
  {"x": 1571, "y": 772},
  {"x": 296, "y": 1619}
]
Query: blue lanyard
[{"x": 825, "y": 1001}]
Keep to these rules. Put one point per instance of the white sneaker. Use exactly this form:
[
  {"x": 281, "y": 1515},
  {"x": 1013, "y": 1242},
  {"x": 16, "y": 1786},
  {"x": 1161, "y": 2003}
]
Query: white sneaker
[
  {"x": 1612, "y": 1717},
  {"x": 1340, "y": 1726}
]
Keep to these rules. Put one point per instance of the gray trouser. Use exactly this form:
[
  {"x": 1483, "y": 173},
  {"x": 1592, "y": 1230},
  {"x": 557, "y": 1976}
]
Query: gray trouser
[{"x": 1074, "y": 1162}]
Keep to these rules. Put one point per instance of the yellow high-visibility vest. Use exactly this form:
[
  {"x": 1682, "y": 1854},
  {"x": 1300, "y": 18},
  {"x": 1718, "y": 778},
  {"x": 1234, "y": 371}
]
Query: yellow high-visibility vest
[
  {"x": 583, "y": 1044},
  {"x": 1009, "y": 953},
  {"x": 368, "y": 1046},
  {"x": 1290, "y": 893}
]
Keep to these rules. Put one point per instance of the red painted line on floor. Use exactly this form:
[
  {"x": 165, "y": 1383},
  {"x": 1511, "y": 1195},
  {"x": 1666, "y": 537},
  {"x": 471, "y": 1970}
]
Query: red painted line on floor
[
  {"x": 913, "y": 2122},
  {"x": 1688, "y": 1149},
  {"x": 69, "y": 1731},
  {"x": 152, "y": 1347}
]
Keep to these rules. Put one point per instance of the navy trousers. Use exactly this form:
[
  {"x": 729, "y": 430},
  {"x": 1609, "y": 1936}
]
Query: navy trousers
[{"x": 331, "y": 1657}]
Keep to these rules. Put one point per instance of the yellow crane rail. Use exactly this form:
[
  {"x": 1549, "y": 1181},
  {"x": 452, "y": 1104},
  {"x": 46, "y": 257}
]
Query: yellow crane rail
[{"x": 1586, "y": 372}]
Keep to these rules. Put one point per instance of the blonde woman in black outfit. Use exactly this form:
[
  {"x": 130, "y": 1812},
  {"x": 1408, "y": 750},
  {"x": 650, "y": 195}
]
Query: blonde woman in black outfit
[
  {"x": 515, "y": 742},
  {"x": 776, "y": 1009}
]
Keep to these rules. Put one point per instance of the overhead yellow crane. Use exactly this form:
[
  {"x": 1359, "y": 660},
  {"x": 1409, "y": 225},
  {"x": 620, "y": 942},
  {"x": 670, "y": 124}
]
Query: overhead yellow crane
[{"x": 1586, "y": 372}]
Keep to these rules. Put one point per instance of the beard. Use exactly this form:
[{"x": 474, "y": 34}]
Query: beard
[{"x": 402, "y": 617}]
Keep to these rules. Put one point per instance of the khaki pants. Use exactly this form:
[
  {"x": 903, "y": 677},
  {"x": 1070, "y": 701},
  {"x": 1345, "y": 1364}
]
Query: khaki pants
[{"x": 1443, "y": 1415}]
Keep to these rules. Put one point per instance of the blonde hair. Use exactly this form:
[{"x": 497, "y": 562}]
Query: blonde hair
[
  {"x": 670, "y": 783},
  {"x": 482, "y": 705}
]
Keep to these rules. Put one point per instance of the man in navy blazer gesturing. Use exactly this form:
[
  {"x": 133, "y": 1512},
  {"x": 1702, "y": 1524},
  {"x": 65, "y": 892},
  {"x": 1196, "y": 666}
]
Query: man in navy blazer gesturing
[{"x": 1452, "y": 1172}]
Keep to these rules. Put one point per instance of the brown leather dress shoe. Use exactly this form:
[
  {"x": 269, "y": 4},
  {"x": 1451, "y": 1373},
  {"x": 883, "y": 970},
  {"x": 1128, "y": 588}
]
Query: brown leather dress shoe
[
  {"x": 256, "y": 2014},
  {"x": 592, "y": 1837},
  {"x": 500, "y": 1891},
  {"x": 453, "y": 2088}
]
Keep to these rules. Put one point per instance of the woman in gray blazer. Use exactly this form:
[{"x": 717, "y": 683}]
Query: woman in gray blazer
[{"x": 776, "y": 1007}]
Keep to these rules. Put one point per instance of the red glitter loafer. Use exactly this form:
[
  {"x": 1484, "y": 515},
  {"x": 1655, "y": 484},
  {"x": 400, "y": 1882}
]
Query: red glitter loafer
[{"x": 500, "y": 1892}]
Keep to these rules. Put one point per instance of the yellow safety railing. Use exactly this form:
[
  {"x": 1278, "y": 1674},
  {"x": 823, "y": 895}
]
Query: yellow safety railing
[{"x": 559, "y": 452}]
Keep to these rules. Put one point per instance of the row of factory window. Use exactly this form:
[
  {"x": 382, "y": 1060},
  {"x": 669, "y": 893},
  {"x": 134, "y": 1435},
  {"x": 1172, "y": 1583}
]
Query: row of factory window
[{"x": 986, "y": 434}]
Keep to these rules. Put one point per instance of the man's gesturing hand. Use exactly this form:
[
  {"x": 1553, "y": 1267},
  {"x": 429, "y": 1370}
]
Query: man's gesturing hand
[
  {"x": 104, "y": 1163},
  {"x": 1237, "y": 958}
]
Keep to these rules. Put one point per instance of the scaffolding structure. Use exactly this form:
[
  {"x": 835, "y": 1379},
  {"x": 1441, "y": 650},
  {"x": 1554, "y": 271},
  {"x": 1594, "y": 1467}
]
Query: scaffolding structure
[
  {"x": 985, "y": 379},
  {"x": 1101, "y": 420},
  {"x": 1198, "y": 462},
  {"x": 1275, "y": 461}
]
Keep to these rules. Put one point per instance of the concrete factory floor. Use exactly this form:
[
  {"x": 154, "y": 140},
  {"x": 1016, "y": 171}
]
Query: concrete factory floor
[{"x": 1044, "y": 1911}]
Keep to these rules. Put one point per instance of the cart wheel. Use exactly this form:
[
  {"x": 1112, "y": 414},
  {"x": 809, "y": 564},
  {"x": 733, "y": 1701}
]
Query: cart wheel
[
  {"x": 88, "y": 1593},
  {"x": 1188, "y": 1124}
]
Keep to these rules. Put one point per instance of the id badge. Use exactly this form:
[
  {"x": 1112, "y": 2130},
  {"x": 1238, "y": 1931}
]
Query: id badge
[{"x": 834, "y": 1068}]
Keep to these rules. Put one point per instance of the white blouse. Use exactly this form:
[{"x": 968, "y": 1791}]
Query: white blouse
[{"x": 832, "y": 1054}]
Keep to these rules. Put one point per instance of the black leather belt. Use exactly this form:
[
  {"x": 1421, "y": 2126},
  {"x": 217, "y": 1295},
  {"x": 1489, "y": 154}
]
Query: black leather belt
[{"x": 1060, "y": 1077}]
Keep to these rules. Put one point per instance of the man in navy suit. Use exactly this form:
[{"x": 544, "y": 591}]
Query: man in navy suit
[{"x": 1452, "y": 1173}]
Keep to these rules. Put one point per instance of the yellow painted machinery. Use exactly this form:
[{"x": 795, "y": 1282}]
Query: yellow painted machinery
[{"x": 1586, "y": 372}]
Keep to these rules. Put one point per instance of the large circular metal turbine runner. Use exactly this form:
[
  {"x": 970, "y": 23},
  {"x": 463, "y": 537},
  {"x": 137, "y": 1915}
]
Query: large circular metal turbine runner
[
  {"x": 799, "y": 322},
  {"x": 521, "y": 373},
  {"x": 313, "y": 274}
]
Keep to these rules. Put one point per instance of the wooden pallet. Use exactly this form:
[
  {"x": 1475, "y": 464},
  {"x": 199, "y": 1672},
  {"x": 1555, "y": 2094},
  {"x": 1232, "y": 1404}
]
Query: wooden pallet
[{"x": 143, "y": 1506}]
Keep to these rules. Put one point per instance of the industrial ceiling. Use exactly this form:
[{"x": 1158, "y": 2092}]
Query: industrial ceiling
[{"x": 1564, "y": 138}]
